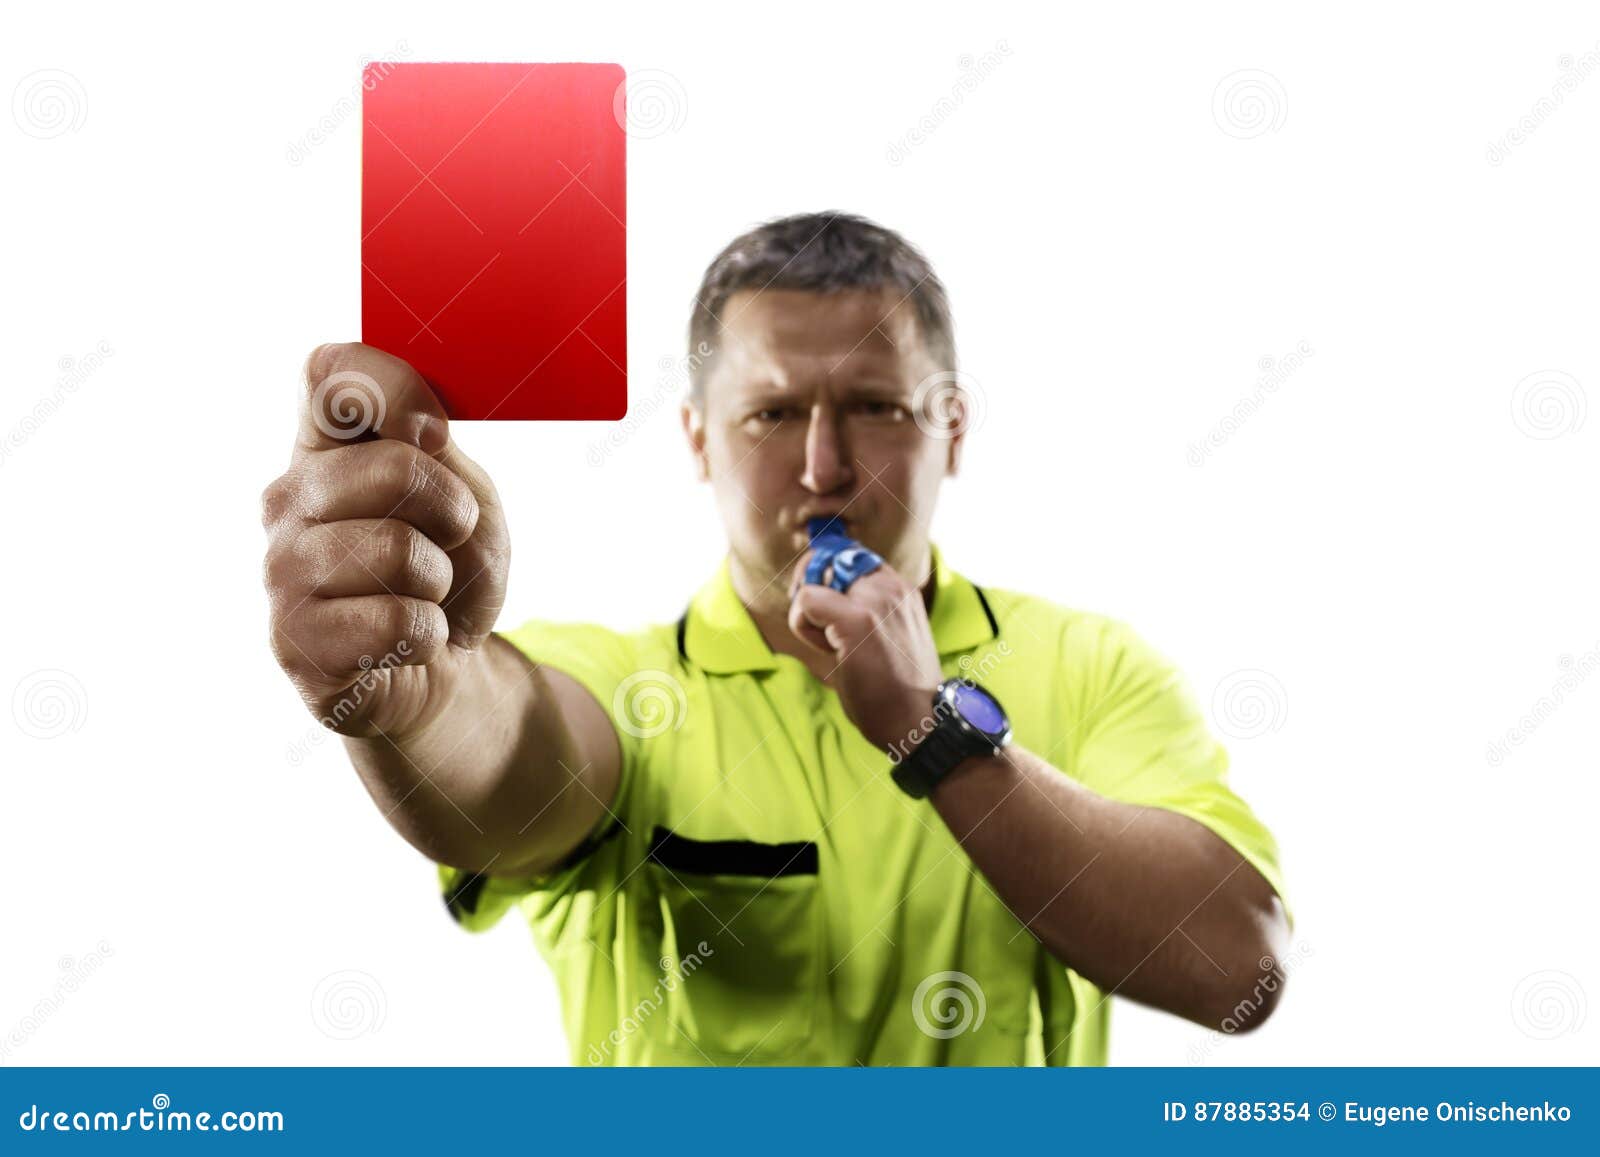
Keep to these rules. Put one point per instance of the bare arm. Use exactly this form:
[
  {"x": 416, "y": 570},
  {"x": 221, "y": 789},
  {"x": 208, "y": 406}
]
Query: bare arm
[
  {"x": 386, "y": 568},
  {"x": 509, "y": 779},
  {"x": 1142, "y": 901}
]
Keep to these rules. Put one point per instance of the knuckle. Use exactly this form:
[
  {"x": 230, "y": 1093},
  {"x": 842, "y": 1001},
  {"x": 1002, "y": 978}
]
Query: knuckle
[
  {"x": 284, "y": 566},
  {"x": 394, "y": 547},
  {"x": 284, "y": 650},
  {"x": 326, "y": 359},
  {"x": 424, "y": 630},
  {"x": 393, "y": 619},
  {"x": 408, "y": 556},
  {"x": 275, "y": 570},
  {"x": 419, "y": 475},
  {"x": 277, "y": 499},
  {"x": 389, "y": 469}
]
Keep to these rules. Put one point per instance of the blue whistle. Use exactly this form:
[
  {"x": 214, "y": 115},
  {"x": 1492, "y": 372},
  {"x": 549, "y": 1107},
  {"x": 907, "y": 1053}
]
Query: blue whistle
[{"x": 838, "y": 560}]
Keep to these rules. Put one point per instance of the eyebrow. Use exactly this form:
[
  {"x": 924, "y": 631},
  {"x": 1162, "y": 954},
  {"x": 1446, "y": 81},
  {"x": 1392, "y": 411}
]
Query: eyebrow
[{"x": 878, "y": 387}]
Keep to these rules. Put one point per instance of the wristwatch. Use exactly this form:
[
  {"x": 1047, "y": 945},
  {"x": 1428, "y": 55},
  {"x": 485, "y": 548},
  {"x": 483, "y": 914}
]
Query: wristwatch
[{"x": 967, "y": 721}]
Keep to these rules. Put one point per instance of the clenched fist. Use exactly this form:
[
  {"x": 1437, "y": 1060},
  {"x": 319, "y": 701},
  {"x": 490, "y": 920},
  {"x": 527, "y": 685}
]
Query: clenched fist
[{"x": 387, "y": 548}]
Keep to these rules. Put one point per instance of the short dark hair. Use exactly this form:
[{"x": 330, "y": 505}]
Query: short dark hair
[{"x": 820, "y": 253}]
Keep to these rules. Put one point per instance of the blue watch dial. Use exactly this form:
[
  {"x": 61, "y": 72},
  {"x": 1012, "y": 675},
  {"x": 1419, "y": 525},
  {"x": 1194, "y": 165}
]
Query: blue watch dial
[{"x": 978, "y": 708}]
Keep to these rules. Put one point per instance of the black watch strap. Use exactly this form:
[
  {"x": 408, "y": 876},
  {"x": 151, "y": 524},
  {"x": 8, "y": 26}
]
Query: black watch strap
[{"x": 938, "y": 753}]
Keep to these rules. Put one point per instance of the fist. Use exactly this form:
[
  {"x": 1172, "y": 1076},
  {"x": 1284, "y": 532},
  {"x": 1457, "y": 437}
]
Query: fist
[
  {"x": 885, "y": 665},
  {"x": 386, "y": 548}
]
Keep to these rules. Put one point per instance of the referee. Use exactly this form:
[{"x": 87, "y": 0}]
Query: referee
[{"x": 852, "y": 807}]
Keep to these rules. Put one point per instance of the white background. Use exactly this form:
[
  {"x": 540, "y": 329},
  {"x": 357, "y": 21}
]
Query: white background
[{"x": 1396, "y": 548}]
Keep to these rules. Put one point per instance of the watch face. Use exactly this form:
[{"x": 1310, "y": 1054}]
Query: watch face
[{"x": 978, "y": 708}]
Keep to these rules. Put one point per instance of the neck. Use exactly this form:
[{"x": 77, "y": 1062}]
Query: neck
[{"x": 766, "y": 599}]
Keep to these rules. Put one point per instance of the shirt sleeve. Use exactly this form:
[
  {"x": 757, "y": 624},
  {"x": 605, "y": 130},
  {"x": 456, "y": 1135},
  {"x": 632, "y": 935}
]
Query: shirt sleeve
[
  {"x": 605, "y": 664},
  {"x": 1145, "y": 741}
]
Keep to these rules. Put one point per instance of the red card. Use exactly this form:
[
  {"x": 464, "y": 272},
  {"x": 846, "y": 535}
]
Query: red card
[{"x": 494, "y": 234}]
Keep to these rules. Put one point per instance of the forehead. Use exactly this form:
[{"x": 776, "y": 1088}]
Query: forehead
[{"x": 791, "y": 337}]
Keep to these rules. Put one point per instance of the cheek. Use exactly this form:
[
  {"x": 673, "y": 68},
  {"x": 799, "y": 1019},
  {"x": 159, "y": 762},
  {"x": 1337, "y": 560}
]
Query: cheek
[
  {"x": 751, "y": 474},
  {"x": 909, "y": 469},
  {"x": 754, "y": 459}
]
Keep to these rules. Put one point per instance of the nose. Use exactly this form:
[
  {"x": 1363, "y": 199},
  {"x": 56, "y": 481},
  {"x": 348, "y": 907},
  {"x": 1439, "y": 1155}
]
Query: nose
[{"x": 828, "y": 461}]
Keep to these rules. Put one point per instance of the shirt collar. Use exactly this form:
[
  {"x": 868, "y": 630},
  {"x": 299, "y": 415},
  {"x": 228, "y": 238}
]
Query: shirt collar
[{"x": 720, "y": 637}]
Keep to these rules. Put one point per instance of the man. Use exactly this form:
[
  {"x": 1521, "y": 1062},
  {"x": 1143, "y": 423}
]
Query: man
[{"x": 751, "y": 836}]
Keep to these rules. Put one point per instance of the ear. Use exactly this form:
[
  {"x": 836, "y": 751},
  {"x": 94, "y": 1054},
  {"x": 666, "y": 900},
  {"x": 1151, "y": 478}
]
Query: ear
[
  {"x": 694, "y": 429},
  {"x": 958, "y": 439}
]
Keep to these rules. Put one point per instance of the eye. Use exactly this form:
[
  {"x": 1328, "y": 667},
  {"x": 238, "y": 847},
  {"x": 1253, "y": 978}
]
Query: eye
[
  {"x": 771, "y": 414},
  {"x": 877, "y": 409}
]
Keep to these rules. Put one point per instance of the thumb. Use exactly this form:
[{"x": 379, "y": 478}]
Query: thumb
[{"x": 481, "y": 564}]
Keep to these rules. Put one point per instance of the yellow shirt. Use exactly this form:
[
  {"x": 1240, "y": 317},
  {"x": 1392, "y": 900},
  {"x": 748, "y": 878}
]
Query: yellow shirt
[{"x": 764, "y": 894}]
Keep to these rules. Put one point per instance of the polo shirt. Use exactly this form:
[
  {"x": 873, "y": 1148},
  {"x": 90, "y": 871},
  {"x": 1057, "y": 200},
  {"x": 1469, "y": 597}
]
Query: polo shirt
[{"x": 762, "y": 893}]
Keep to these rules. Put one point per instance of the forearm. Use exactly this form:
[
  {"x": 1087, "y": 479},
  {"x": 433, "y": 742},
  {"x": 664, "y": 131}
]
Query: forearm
[
  {"x": 1139, "y": 900},
  {"x": 483, "y": 785}
]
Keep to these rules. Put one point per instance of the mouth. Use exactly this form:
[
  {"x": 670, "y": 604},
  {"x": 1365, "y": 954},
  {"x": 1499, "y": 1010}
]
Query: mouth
[{"x": 840, "y": 522}]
